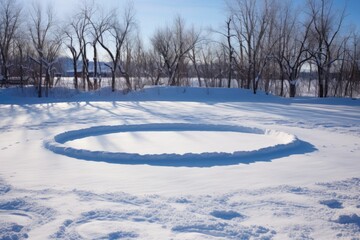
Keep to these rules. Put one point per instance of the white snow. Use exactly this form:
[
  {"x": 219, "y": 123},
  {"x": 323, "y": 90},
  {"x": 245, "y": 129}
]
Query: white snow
[
  {"x": 180, "y": 142},
  {"x": 178, "y": 163}
]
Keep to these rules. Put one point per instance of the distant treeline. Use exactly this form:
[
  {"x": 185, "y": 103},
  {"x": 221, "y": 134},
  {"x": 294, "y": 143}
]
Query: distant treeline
[{"x": 267, "y": 45}]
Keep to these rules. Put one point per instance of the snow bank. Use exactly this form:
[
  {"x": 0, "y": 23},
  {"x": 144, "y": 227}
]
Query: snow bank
[
  {"x": 288, "y": 143},
  {"x": 28, "y": 95}
]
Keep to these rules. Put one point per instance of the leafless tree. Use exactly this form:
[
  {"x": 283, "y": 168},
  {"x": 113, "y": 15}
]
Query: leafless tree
[
  {"x": 349, "y": 73},
  {"x": 227, "y": 46},
  {"x": 45, "y": 42},
  {"x": 266, "y": 66},
  {"x": 251, "y": 22},
  {"x": 291, "y": 51},
  {"x": 173, "y": 45},
  {"x": 138, "y": 63},
  {"x": 21, "y": 50},
  {"x": 153, "y": 67},
  {"x": 209, "y": 64},
  {"x": 325, "y": 31},
  {"x": 71, "y": 44},
  {"x": 9, "y": 24},
  {"x": 81, "y": 26},
  {"x": 115, "y": 28},
  {"x": 194, "y": 55}
]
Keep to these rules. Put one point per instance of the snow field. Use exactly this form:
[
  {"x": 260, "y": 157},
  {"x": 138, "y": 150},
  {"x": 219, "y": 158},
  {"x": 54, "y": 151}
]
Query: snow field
[
  {"x": 280, "y": 212},
  {"x": 310, "y": 191}
]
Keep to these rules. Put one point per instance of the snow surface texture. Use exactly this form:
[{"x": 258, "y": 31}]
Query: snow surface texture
[
  {"x": 289, "y": 144},
  {"x": 308, "y": 192},
  {"x": 118, "y": 215}
]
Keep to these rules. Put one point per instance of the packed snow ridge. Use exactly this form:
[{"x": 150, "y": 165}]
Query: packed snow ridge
[{"x": 286, "y": 142}]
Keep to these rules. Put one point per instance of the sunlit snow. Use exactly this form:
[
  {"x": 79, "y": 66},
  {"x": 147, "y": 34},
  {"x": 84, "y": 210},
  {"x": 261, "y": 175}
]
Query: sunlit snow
[
  {"x": 74, "y": 166},
  {"x": 174, "y": 142}
]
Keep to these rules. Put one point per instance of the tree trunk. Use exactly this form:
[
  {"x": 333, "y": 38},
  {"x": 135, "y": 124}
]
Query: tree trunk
[
  {"x": 230, "y": 52},
  {"x": 113, "y": 80},
  {"x": 248, "y": 78},
  {"x": 198, "y": 75},
  {"x": 95, "y": 67},
  {"x": 254, "y": 82},
  {"x": 321, "y": 89},
  {"x": 320, "y": 82},
  {"x": 83, "y": 77},
  {"x": 128, "y": 82},
  {"x": 292, "y": 89},
  {"x": 21, "y": 74},
  {"x": 229, "y": 79},
  {"x": 326, "y": 85},
  {"x": 4, "y": 70},
  {"x": 40, "y": 81},
  {"x": 75, "y": 74},
  {"x": 282, "y": 86},
  {"x": 47, "y": 82},
  {"x": 90, "y": 86}
]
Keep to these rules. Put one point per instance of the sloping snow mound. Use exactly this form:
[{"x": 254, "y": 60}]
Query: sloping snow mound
[{"x": 287, "y": 143}]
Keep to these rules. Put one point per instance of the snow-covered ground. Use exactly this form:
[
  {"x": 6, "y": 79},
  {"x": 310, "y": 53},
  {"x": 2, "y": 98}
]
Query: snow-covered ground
[{"x": 178, "y": 163}]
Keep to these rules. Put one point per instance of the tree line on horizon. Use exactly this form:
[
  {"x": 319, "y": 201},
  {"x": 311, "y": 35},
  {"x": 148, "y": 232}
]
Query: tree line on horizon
[{"x": 263, "y": 45}]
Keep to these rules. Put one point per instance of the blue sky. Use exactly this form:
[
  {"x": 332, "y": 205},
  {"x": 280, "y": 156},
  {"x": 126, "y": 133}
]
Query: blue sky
[
  {"x": 152, "y": 14},
  {"x": 352, "y": 10}
]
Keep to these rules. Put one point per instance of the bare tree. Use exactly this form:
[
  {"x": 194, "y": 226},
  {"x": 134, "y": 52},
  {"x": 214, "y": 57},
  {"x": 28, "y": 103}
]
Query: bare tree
[
  {"x": 45, "y": 44},
  {"x": 70, "y": 43},
  {"x": 325, "y": 30},
  {"x": 79, "y": 35},
  {"x": 173, "y": 45},
  {"x": 194, "y": 55},
  {"x": 137, "y": 62},
  {"x": 291, "y": 50},
  {"x": 21, "y": 50},
  {"x": 285, "y": 28},
  {"x": 209, "y": 64},
  {"x": 111, "y": 28},
  {"x": 81, "y": 26},
  {"x": 266, "y": 67},
  {"x": 228, "y": 48},
  {"x": 9, "y": 24},
  {"x": 350, "y": 67},
  {"x": 251, "y": 21}
]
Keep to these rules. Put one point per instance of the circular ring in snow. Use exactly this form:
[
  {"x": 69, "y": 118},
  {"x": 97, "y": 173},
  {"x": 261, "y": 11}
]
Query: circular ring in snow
[{"x": 289, "y": 145}]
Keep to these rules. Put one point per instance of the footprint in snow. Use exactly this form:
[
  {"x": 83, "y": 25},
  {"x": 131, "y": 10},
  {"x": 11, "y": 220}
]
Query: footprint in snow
[
  {"x": 19, "y": 216},
  {"x": 332, "y": 203},
  {"x": 349, "y": 219},
  {"x": 182, "y": 200},
  {"x": 226, "y": 215}
]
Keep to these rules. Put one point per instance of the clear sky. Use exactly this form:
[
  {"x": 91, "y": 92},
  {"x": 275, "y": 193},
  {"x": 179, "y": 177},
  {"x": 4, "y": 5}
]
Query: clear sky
[
  {"x": 152, "y": 14},
  {"x": 201, "y": 13},
  {"x": 352, "y": 10}
]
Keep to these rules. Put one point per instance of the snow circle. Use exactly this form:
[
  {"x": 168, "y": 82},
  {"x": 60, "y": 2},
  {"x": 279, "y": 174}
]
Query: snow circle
[{"x": 286, "y": 144}]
